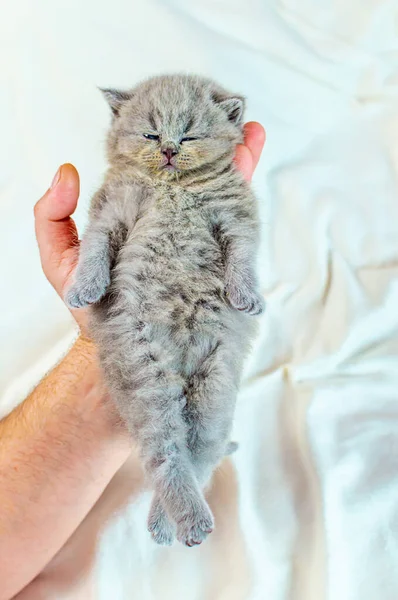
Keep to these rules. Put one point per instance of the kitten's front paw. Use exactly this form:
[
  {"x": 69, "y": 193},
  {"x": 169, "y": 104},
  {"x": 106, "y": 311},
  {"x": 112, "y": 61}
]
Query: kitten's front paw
[
  {"x": 245, "y": 300},
  {"x": 194, "y": 528},
  {"x": 87, "y": 291}
]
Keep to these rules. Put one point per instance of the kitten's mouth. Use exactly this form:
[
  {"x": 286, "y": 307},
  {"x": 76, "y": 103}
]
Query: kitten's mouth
[{"x": 169, "y": 166}]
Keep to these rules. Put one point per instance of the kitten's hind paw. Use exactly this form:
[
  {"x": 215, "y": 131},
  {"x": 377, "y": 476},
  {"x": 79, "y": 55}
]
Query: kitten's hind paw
[
  {"x": 159, "y": 525},
  {"x": 195, "y": 527}
]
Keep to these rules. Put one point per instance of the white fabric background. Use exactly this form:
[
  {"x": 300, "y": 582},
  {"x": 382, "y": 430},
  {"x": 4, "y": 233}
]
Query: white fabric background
[{"x": 308, "y": 508}]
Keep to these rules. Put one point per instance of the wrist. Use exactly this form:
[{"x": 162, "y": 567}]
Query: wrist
[{"x": 92, "y": 398}]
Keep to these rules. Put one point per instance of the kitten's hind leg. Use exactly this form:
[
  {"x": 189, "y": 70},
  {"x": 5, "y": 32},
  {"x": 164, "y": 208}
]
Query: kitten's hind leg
[
  {"x": 180, "y": 494},
  {"x": 161, "y": 431},
  {"x": 163, "y": 531},
  {"x": 209, "y": 413}
]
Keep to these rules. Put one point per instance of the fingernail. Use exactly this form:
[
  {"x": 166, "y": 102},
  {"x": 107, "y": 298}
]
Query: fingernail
[{"x": 56, "y": 178}]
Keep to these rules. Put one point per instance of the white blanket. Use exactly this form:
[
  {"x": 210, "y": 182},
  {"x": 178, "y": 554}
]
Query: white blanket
[{"x": 307, "y": 508}]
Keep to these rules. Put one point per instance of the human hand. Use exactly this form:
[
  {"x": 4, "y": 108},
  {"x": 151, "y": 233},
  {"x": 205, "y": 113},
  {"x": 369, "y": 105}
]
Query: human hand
[{"x": 56, "y": 231}]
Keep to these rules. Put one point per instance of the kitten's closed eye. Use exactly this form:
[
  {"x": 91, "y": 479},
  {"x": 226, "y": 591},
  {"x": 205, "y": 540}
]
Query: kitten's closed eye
[{"x": 151, "y": 136}]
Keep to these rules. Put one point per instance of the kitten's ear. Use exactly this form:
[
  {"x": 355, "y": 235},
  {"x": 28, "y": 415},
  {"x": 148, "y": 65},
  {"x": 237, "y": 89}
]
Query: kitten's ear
[
  {"x": 234, "y": 107},
  {"x": 115, "y": 98}
]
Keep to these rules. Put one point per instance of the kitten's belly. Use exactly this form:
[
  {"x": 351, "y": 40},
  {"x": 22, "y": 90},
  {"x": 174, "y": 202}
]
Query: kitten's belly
[
  {"x": 185, "y": 254},
  {"x": 171, "y": 288},
  {"x": 174, "y": 276}
]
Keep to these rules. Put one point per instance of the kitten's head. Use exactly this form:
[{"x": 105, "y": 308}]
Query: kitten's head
[{"x": 174, "y": 125}]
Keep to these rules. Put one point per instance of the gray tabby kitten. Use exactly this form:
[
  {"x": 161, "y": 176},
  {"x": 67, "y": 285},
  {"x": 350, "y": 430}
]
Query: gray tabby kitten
[{"x": 168, "y": 264}]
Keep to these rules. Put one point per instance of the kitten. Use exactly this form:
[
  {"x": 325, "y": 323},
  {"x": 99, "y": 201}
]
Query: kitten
[{"x": 167, "y": 263}]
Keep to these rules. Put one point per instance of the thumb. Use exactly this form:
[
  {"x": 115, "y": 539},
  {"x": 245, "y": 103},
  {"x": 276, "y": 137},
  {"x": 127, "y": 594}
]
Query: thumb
[{"x": 56, "y": 232}]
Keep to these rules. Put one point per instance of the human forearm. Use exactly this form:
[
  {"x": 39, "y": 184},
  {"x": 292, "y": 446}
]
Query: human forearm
[{"x": 58, "y": 451}]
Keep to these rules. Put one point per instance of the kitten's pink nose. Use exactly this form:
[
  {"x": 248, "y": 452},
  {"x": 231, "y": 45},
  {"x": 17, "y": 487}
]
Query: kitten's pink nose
[{"x": 169, "y": 152}]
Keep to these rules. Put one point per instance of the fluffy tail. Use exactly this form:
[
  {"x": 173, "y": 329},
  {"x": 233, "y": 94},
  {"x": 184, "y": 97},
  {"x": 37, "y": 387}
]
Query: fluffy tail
[{"x": 231, "y": 448}]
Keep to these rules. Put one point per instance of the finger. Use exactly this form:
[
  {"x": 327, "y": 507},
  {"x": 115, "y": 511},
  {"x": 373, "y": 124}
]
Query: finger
[
  {"x": 244, "y": 161},
  {"x": 254, "y": 140},
  {"x": 248, "y": 154},
  {"x": 55, "y": 231}
]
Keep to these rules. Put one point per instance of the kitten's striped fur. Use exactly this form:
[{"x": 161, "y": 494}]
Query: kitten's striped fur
[{"x": 167, "y": 262}]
